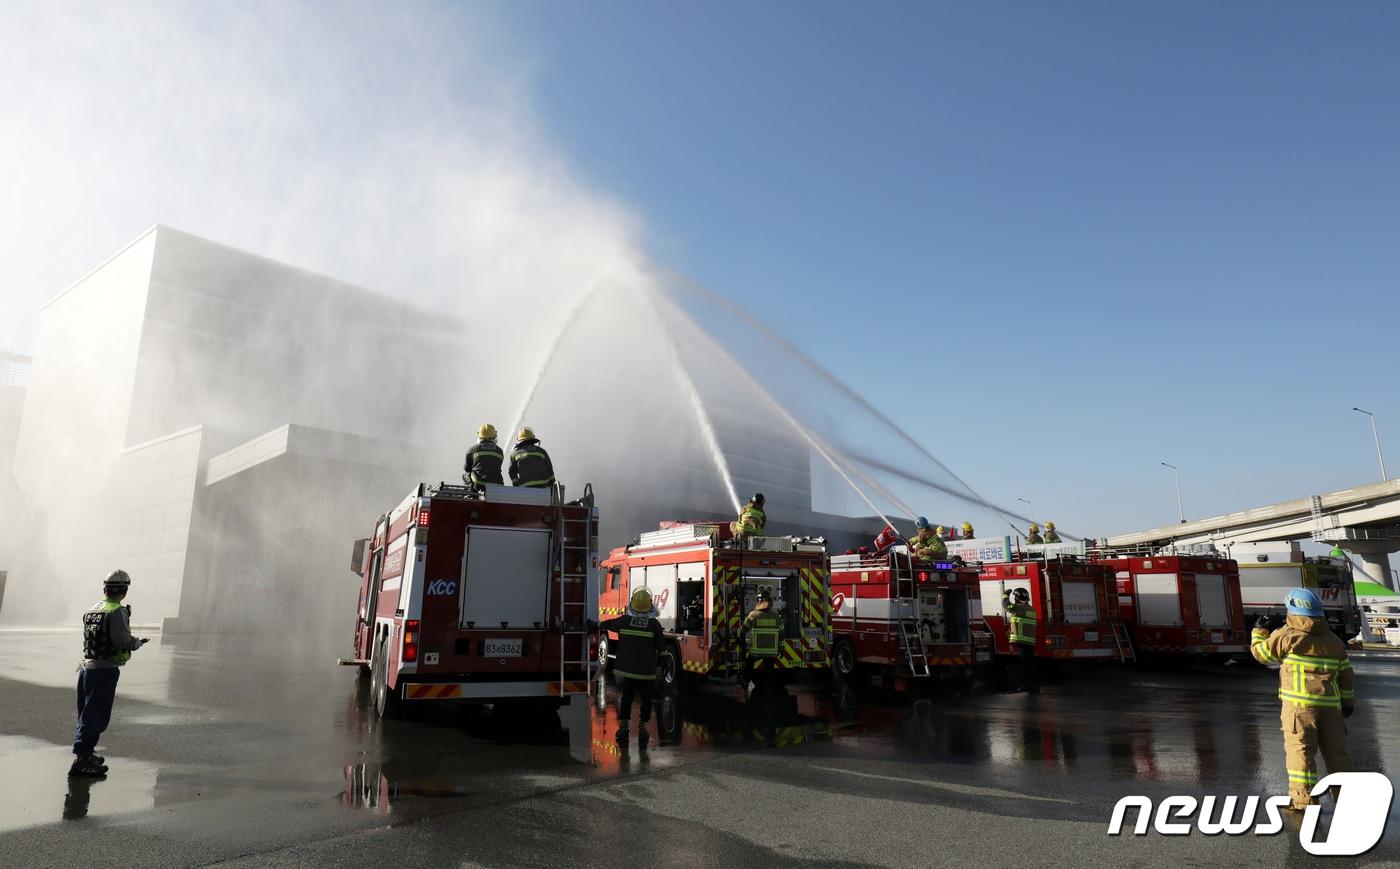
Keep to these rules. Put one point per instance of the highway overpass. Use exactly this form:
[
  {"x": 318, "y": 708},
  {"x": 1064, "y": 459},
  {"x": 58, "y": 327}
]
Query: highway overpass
[{"x": 1364, "y": 521}]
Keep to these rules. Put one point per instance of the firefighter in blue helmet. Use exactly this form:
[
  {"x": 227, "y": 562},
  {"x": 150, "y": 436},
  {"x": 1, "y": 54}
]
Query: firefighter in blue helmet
[
  {"x": 639, "y": 645},
  {"x": 107, "y": 646},
  {"x": 1317, "y": 688}
]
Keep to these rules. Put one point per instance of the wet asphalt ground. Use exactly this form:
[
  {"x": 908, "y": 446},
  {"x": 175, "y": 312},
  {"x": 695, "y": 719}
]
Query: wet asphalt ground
[{"x": 238, "y": 755}]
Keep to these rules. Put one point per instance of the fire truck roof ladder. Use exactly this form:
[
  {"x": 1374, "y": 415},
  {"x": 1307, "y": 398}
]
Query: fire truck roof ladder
[
  {"x": 580, "y": 543},
  {"x": 906, "y": 595},
  {"x": 1124, "y": 641}
]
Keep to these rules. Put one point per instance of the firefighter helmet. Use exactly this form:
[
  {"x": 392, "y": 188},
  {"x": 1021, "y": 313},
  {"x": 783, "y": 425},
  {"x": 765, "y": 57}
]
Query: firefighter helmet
[
  {"x": 526, "y": 433},
  {"x": 967, "y": 529},
  {"x": 641, "y": 601},
  {"x": 921, "y": 523},
  {"x": 1304, "y": 602},
  {"x": 1049, "y": 526},
  {"x": 117, "y": 579},
  {"x": 487, "y": 432},
  {"x": 765, "y": 593},
  {"x": 757, "y": 499},
  {"x": 1034, "y": 528},
  {"x": 1020, "y": 595},
  {"x": 940, "y": 530}
]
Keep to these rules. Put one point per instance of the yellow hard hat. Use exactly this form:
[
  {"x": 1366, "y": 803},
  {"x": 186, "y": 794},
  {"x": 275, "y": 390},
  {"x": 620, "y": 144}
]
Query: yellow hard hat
[
  {"x": 1049, "y": 526},
  {"x": 486, "y": 432},
  {"x": 1034, "y": 527},
  {"x": 939, "y": 530},
  {"x": 967, "y": 526},
  {"x": 641, "y": 600},
  {"x": 526, "y": 433}
]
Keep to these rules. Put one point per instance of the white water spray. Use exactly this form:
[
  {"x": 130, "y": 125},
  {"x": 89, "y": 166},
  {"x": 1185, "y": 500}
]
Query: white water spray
[
  {"x": 548, "y": 359},
  {"x": 821, "y": 371},
  {"x": 707, "y": 429}
]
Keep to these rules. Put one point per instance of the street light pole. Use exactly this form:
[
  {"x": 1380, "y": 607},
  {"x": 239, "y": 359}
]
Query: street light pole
[
  {"x": 1180, "y": 512},
  {"x": 1030, "y": 511},
  {"x": 1377, "y": 436}
]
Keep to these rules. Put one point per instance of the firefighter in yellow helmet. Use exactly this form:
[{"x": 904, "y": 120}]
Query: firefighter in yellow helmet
[
  {"x": 1050, "y": 535},
  {"x": 530, "y": 466},
  {"x": 639, "y": 645},
  {"x": 1034, "y": 534},
  {"x": 762, "y": 635},
  {"x": 751, "y": 522},
  {"x": 1317, "y": 687},
  {"x": 483, "y": 462},
  {"x": 1021, "y": 625},
  {"x": 967, "y": 532}
]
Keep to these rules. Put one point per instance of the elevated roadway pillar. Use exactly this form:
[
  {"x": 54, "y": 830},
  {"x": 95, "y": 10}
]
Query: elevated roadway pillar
[{"x": 1372, "y": 559}]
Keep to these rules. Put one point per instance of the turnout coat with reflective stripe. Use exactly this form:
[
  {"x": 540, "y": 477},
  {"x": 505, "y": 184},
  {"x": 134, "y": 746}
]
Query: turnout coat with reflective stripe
[
  {"x": 639, "y": 642},
  {"x": 1313, "y": 665},
  {"x": 1020, "y": 620}
]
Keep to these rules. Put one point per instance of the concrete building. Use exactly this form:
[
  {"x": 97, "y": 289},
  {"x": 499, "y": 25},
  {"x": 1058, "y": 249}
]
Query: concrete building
[{"x": 222, "y": 426}]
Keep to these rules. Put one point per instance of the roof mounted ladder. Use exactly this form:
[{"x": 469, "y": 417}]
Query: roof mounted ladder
[{"x": 575, "y": 555}]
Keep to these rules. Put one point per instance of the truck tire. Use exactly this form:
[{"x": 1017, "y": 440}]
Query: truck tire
[
  {"x": 605, "y": 664},
  {"x": 669, "y": 666},
  {"x": 386, "y": 699},
  {"x": 843, "y": 659}
]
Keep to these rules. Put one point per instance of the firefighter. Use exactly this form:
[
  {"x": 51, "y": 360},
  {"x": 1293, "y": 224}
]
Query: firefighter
[
  {"x": 1034, "y": 534},
  {"x": 1020, "y": 618},
  {"x": 1050, "y": 535},
  {"x": 639, "y": 644},
  {"x": 926, "y": 544},
  {"x": 483, "y": 462},
  {"x": 751, "y": 521},
  {"x": 530, "y": 466},
  {"x": 967, "y": 531},
  {"x": 107, "y": 646},
  {"x": 1317, "y": 687},
  {"x": 762, "y": 635}
]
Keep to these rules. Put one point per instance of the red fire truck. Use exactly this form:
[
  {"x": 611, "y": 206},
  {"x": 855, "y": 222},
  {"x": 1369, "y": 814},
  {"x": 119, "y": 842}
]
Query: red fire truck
[
  {"x": 1178, "y": 605},
  {"x": 1076, "y": 605},
  {"x": 476, "y": 594},
  {"x": 703, "y": 584},
  {"x": 904, "y": 618}
]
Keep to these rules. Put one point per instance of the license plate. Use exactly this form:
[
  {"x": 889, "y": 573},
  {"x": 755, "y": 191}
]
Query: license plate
[
  {"x": 1091, "y": 636},
  {"x": 504, "y": 648},
  {"x": 984, "y": 656},
  {"x": 1215, "y": 637}
]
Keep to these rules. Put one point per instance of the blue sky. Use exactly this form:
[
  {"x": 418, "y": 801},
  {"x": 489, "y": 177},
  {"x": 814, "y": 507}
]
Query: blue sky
[{"x": 1060, "y": 242}]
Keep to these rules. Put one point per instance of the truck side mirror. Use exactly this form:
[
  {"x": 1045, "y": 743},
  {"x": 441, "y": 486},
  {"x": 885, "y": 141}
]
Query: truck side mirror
[{"x": 357, "y": 557}]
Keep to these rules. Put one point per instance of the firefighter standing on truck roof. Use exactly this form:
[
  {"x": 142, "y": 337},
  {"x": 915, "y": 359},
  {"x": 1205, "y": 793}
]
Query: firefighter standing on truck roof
[
  {"x": 1021, "y": 619},
  {"x": 1033, "y": 535},
  {"x": 967, "y": 531},
  {"x": 483, "y": 462},
  {"x": 107, "y": 646},
  {"x": 530, "y": 466},
  {"x": 751, "y": 521},
  {"x": 1317, "y": 687},
  {"x": 639, "y": 643},
  {"x": 1050, "y": 535},
  {"x": 762, "y": 633}
]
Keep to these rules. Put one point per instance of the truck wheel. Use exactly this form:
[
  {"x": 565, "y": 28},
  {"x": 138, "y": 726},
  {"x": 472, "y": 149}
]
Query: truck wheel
[
  {"x": 386, "y": 699},
  {"x": 670, "y": 666},
  {"x": 605, "y": 664},
  {"x": 843, "y": 659}
]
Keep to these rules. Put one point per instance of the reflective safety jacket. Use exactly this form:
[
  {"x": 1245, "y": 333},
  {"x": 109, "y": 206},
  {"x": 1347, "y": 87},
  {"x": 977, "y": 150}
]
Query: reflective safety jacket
[
  {"x": 530, "y": 465},
  {"x": 752, "y": 520},
  {"x": 1051, "y": 537},
  {"x": 1033, "y": 538},
  {"x": 929, "y": 546},
  {"x": 107, "y": 639},
  {"x": 764, "y": 630},
  {"x": 1313, "y": 666},
  {"x": 483, "y": 463},
  {"x": 639, "y": 642},
  {"x": 1021, "y": 620}
]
